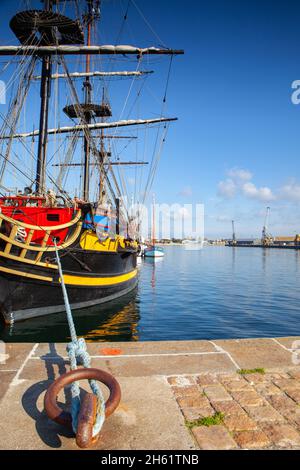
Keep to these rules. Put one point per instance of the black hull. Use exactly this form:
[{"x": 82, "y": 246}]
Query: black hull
[
  {"x": 46, "y": 300},
  {"x": 91, "y": 278}
]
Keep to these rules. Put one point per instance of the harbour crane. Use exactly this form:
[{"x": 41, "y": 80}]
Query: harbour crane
[
  {"x": 297, "y": 239},
  {"x": 266, "y": 238},
  {"x": 233, "y": 241}
]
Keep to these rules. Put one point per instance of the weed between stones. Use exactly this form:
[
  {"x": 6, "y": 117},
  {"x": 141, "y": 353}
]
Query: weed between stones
[
  {"x": 217, "y": 418},
  {"x": 258, "y": 370}
]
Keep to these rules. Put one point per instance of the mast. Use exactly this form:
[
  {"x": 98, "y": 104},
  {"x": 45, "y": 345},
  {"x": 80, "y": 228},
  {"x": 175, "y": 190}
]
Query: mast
[
  {"x": 45, "y": 95},
  {"x": 153, "y": 220},
  {"x": 90, "y": 17},
  {"x": 117, "y": 216},
  {"x": 103, "y": 158}
]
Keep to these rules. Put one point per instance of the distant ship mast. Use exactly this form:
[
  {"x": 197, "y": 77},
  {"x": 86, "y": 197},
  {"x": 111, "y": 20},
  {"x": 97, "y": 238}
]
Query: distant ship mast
[
  {"x": 45, "y": 95},
  {"x": 92, "y": 15}
]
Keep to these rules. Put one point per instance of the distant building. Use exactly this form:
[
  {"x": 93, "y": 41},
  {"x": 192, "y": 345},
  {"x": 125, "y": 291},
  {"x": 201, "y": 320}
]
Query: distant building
[
  {"x": 165, "y": 241},
  {"x": 176, "y": 240},
  {"x": 245, "y": 241},
  {"x": 216, "y": 242},
  {"x": 284, "y": 240}
]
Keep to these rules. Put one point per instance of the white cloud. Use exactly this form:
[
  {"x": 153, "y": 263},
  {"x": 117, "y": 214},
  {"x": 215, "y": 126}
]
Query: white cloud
[
  {"x": 262, "y": 194},
  {"x": 227, "y": 189},
  {"x": 290, "y": 191},
  {"x": 239, "y": 174},
  {"x": 239, "y": 183}
]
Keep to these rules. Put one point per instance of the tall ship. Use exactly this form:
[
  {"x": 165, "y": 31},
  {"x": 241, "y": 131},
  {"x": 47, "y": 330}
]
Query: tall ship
[{"x": 61, "y": 180}]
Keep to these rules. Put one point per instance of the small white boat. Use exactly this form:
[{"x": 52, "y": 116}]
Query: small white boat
[
  {"x": 189, "y": 242},
  {"x": 192, "y": 244},
  {"x": 154, "y": 252}
]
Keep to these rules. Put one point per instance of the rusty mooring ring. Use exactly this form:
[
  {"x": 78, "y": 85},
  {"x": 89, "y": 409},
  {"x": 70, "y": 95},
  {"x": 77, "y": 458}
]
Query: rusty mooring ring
[{"x": 60, "y": 416}]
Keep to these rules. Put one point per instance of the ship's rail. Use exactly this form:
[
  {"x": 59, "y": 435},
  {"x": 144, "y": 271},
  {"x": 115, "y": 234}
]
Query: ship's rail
[{"x": 13, "y": 228}]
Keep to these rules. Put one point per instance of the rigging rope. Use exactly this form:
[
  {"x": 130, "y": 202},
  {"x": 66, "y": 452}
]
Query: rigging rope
[
  {"x": 148, "y": 24},
  {"x": 120, "y": 170},
  {"x": 14, "y": 113},
  {"x": 168, "y": 78},
  {"x": 87, "y": 132},
  {"x": 10, "y": 126},
  {"x": 123, "y": 23}
]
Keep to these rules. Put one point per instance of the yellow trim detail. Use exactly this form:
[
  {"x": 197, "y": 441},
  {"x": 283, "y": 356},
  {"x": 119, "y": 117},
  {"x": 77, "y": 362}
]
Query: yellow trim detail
[
  {"x": 90, "y": 241},
  {"x": 20, "y": 273},
  {"x": 27, "y": 261},
  {"x": 65, "y": 244},
  {"x": 98, "y": 281}
]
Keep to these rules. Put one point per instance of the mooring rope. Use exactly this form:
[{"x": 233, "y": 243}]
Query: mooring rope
[{"x": 78, "y": 355}]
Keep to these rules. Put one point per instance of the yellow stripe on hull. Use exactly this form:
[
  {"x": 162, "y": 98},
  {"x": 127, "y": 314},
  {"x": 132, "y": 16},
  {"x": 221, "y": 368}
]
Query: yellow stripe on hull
[
  {"x": 76, "y": 280},
  {"x": 98, "y": 281}
]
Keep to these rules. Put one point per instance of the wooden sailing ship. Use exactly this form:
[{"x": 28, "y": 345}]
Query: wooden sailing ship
[{"x": 98, "y": 261}]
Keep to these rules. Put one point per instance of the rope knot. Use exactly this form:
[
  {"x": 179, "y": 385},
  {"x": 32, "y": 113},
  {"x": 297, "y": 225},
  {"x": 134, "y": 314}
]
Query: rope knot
[{"x": 78, "y": 354}]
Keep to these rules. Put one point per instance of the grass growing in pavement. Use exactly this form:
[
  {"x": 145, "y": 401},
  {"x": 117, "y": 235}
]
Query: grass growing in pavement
[
  {"x": 258, "y": 370},
  {"x": 217, "y": 418}
]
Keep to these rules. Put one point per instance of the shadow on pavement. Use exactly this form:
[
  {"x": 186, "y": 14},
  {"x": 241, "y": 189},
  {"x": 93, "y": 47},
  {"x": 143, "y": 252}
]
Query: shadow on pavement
[{"x": 48, "y": 431}]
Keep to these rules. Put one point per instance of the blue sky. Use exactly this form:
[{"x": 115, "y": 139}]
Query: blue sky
[{"x": 236, "y": 144}]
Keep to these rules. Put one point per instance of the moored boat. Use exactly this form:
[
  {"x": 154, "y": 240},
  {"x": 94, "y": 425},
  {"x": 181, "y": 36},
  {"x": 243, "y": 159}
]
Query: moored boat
[
  {"x": 154, "y": 252},
  {"x": 89, "y": 232}
]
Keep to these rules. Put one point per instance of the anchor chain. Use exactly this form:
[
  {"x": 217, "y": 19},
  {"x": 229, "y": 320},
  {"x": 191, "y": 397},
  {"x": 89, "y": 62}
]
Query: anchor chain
[{"x": 88, "y": 414}]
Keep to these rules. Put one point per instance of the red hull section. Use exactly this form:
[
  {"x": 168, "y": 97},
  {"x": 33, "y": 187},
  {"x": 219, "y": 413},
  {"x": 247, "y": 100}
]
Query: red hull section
[{"x": 31, "y": 210}]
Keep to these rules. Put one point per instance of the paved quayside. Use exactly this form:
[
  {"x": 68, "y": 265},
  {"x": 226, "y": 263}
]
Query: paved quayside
[{"x": 167, "y": 390}]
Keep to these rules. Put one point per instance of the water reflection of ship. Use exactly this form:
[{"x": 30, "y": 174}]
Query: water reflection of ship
[
  {"x": 120, "y": 326},
  {"x": 116, "y": 321},
  {"x": 151, "y": 262}
]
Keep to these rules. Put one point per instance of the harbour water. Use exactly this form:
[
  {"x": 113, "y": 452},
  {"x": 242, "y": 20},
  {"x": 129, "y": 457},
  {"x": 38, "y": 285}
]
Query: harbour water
[{"x": 216, "y": 292}]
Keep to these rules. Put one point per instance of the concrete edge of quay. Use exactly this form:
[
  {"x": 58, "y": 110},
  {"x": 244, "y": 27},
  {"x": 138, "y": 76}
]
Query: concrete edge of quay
[{"x": 167, "y": 387}]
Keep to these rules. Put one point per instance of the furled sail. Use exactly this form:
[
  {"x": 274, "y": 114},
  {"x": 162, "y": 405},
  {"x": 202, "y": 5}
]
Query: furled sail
[
  {"x": 93, "y": 126},
  {"x": 97, "y": 74},
  {"x": 68, "y": 50}
]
